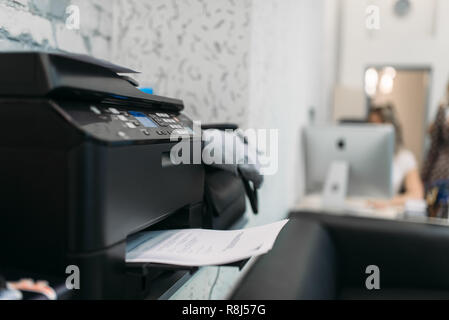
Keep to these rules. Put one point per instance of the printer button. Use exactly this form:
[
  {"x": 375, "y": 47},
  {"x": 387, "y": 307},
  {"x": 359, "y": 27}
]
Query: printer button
[
  {"x": 146, "y": 132},
  {"x": 114, "y": 111},
  {"x": 136, "y": 123},
  {"x": 161, "y": 123},
  {"x": 95, "y": 110}
]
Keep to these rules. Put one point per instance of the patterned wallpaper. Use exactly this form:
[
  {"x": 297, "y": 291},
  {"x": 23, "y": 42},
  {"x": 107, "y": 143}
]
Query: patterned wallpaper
[{"x": 195, "y": 50}]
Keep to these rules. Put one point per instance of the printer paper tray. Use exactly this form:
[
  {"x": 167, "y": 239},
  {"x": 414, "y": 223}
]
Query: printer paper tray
[{"x": 130, "y": 266}]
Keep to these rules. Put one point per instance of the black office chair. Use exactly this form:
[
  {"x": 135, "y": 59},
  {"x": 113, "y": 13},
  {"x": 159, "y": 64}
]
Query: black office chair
[{"x": 319, "y": 256}]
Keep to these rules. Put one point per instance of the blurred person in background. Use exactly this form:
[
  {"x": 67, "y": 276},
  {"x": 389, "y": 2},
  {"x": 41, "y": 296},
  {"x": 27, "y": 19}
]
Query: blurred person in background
[
  {"x": 407, "y": 184},
  {"x": 436, "y": 166}
]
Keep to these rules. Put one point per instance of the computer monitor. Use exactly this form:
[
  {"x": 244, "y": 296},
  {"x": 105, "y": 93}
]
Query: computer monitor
[{"x": 367, "y": 149}]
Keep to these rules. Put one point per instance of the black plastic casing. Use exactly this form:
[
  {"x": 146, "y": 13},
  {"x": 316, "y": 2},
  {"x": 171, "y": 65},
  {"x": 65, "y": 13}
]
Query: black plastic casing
[{"x": 70, "y": 194}]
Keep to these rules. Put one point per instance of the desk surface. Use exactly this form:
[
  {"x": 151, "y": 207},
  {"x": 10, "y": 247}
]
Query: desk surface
[
  {"x": 353, "y": 206},
  {"x": 360, "y": 208}
]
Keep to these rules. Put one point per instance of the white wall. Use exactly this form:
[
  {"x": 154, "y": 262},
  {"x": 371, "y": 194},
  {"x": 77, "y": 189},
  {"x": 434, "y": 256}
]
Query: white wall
[
  {"x": 330, "y": 57},
  {"x": 286, "y": 72},
  {"x": 419, "y": 39}
]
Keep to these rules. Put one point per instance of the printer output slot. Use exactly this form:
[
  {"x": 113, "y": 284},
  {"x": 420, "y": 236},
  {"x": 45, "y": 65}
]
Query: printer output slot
[
  {"x": 151, "y": 281},
  {"x": 140, "y": 267},
  {"x": 154, "y": 280}
]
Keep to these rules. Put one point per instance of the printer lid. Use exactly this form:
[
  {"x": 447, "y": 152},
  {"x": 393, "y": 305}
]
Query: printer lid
[
  {"x": 95, "y": 61},
  {"x": 73, "y": 76}
]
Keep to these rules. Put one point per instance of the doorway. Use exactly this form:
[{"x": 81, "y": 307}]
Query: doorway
[{"x": 407, "y": 90}]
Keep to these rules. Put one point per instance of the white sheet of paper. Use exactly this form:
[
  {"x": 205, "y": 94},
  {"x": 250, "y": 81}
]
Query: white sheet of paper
[{"x": 200, "y": 247}]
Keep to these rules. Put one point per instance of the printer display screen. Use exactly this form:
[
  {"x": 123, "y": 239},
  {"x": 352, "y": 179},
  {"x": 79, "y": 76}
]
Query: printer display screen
[{"x": 143, "y": 119}]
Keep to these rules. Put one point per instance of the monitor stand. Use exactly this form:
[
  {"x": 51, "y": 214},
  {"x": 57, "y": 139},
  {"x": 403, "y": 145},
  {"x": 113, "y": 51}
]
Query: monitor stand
[{"x": 336, "y": 185}]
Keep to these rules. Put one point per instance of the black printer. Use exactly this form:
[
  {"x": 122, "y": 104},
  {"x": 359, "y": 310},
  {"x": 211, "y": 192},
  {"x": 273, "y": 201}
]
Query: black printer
[{"x": 84, "y": 164}]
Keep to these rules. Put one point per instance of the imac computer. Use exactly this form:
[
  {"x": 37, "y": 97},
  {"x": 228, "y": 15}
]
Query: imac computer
[{"x": 349, "y": 161}]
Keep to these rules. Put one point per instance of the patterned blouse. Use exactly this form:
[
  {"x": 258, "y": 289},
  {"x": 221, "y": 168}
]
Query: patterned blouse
[{"x": 436, "y": 166}]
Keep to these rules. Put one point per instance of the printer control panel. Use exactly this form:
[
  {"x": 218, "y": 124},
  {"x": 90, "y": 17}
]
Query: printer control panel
[{"x": 128, "y": 123}]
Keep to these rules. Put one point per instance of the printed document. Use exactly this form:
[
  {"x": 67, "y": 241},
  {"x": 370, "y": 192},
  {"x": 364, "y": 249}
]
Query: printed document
[{"x": 200, "y": 247}]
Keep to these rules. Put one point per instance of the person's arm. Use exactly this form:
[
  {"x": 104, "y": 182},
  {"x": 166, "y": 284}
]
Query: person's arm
[{"x": 414, "y": 189}]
